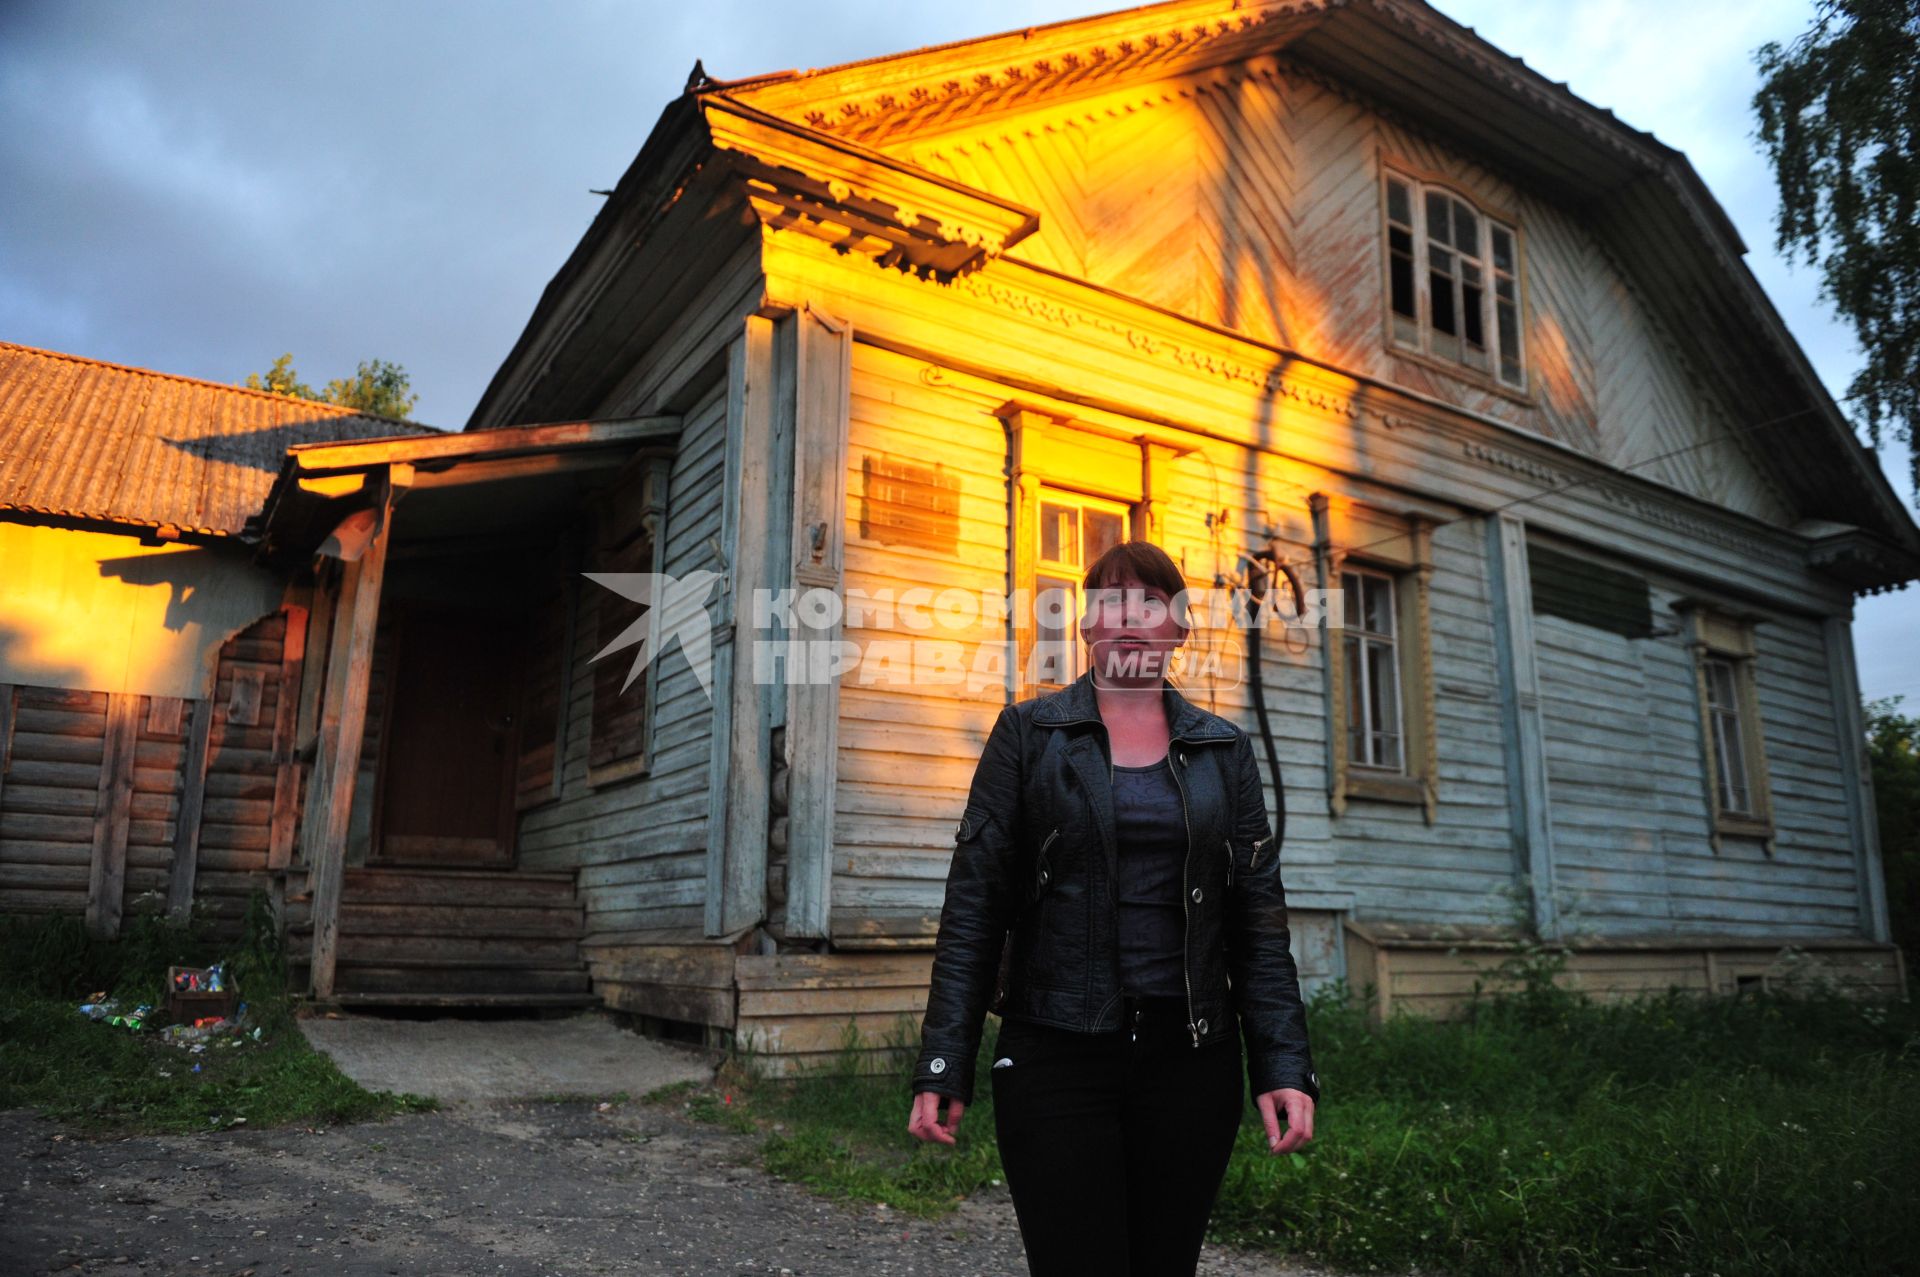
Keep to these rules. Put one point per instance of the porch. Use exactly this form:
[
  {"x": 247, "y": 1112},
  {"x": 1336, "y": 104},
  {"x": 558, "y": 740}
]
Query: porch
[{"x": 431, "y": 706}]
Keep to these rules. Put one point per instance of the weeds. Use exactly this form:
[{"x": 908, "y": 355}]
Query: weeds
[
  {"x": 1542, "y": 1131},
  {"x": 102, "y": 1078}
]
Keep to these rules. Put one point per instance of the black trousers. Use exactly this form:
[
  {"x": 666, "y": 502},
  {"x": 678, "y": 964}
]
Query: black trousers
[{"x": 1115, "y": 1144}]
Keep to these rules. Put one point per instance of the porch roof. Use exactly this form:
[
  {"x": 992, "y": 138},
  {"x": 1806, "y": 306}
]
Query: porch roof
[{"x": 491, "y": 480}]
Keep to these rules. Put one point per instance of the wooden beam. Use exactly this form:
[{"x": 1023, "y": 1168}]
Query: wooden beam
[
  {"x": 1524, "y": 737},
  {"x": 112, "y": 812},
  {"x": 507, "y": 441},
  {"x": 286, "y": 763},
  {"x": 822, "y": 388},
  {"x": 739, "y": 792},
  {"x": 344, "y": 720},
  {"x": 186, "y": 825},
  {"x": 325, "y": 597},
  {"x": 1856, "y": 775}
]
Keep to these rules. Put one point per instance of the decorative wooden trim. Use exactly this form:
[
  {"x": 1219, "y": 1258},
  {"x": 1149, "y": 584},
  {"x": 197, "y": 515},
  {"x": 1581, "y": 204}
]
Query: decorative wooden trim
[
  {"x": 1407, "y": 557},
  {"x": 112, "y": 813},
  {"x": 1713, "y": 632},
  {"x": 817, "y": 548},
  {"x": 182, "y": 877}
]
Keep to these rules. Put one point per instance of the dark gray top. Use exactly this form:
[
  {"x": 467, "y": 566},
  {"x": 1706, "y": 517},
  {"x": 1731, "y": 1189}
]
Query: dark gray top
[{"x": 1152, "y": 830}]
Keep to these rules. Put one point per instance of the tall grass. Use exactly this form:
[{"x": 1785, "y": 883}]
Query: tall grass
[{"x": 1542, "y": 1132}]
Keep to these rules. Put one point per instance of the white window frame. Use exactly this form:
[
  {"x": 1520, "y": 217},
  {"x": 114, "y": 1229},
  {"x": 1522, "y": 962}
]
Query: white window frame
[
  {"x": 1070, "y": 573},
  {"x": 1498, "y": 307},
  {"x": 1361, "y": 693}
]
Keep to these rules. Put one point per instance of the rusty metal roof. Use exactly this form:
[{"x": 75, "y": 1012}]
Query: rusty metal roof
[{"x": 95, "y": 440}]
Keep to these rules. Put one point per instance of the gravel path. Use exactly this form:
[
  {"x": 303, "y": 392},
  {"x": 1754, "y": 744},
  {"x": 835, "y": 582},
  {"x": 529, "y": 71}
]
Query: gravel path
[{"x": 540, "y": 1189}]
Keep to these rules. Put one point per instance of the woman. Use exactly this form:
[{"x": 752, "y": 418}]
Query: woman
[{"x": 1114, "y": 865}]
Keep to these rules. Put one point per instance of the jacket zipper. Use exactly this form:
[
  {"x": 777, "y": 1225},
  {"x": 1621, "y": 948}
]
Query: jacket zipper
[
  {"x": 1229, "y": 862},
  {"x": 1186, "y": 916}
]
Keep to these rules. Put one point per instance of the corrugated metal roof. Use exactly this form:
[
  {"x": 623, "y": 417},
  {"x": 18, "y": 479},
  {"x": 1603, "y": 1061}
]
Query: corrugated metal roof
[{"x": 94, "y": 440}]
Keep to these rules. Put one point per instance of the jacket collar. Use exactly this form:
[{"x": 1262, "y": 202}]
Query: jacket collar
[{"x": 1076, "y": 703}]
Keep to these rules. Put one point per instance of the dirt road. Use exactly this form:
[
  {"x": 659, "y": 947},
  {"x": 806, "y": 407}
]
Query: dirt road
[{"x": 529, "y": 1189}]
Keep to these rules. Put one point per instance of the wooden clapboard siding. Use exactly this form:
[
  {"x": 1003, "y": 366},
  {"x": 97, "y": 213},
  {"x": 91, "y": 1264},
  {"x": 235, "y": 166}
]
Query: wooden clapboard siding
[
  {"x": 46, "y": 809},
  {"x": 1436, "y": 977},
  {"x": 1625, "y": 771},
  {"x": 241, "y": 773},
  {"x": 1249, "y": 197},
  {"x": 906, "y": 752},
  {"x": 798, "y": 1010},
  {"x": 1460, "y": 868},
  {"x": 639, "y": 845}
]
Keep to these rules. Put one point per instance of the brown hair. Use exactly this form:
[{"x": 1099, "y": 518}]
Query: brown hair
[{"x": 1145, "y": 562}]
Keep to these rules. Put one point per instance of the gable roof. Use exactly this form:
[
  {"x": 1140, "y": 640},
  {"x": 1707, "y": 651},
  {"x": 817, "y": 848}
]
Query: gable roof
[
  {"x": 1642, "y": 199},
  {"x": 93, "y": 440}
]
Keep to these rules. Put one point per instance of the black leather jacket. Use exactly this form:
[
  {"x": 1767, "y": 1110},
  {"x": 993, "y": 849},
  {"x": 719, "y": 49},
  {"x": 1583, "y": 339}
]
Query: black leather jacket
[{"x": 1035, "y": 853}]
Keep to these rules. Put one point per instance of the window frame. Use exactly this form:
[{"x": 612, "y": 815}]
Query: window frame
[
  {"x": 1725, "y": 640},
  {"x": 1414, "y": 336},
  {"x": 1069, "y": 573},
  {"x": 1398, "y": 546},
  {"x": 1363, "y": 638}
]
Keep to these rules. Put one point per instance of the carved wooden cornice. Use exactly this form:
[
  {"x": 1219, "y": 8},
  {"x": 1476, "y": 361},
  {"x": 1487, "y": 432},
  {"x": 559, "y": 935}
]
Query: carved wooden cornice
[
  {"x": 861, "y": 200},
  {"x": 937, "y": 88}
]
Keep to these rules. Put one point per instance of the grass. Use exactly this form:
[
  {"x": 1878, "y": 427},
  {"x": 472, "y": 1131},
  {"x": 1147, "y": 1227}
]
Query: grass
[
  {"x": 1543, "y": 1132},
  {"x": 106, "y": 1079}
]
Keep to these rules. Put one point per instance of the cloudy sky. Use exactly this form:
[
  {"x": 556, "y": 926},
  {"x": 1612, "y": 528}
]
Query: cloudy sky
[{"x": 200, "y": 187}]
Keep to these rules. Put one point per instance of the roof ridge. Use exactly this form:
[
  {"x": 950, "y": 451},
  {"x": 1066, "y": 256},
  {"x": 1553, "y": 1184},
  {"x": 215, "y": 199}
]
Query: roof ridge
[{"x": 338, "y": 410}]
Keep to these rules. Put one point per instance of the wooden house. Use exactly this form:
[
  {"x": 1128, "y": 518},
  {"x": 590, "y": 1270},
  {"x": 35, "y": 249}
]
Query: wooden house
[
  {"x": 1337, "y": 284},
  {"x": 144, "y": 739},
  {"x": 1340, "y": 282}
]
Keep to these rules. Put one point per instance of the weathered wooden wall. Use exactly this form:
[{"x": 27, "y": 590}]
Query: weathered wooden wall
[
  {"x": 639, "y": 845},
  {"x": 1625, "y": 772},
  {"x": 1249, "y": 197},
  {"x": 93, "y": 786}
]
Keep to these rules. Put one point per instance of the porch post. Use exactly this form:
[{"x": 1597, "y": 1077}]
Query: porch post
[
  {"x": 816, "y": 543},
  {"x": 342, "y": 722}
]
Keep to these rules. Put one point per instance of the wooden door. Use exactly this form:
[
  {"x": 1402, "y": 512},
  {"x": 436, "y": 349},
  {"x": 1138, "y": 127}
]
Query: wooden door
[{"x": 450, "y": 743}]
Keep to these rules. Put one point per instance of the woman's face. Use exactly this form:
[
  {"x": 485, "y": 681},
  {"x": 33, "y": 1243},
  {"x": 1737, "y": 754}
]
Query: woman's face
[{"x": 1130, "y": 630}]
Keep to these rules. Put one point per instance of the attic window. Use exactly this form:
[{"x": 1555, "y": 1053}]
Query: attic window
[{"x": 1453, "y": 280}]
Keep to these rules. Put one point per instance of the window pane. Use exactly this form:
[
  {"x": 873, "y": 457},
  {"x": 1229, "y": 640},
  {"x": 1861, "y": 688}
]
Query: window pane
[
  {"x": 1437, "y": 227},
  {"x": 1059, "y": 533},
  {"x": 1442, "y": 292},
  {"x": 1400, "y": 271},
  {"x": 1384, "y": 689},
  {"x": 1466, "y": 229},
  {"x": 1056, "y": 648},
  {"x": 1356, "y": 701},
  {"x": 1502, "y": 250},
  {"x": 1105, "y": 529},
  {"x": 1470, "y": 305},
  {"x": 1399, "y": 204},
  {"x": 1350, "y": 600},
  {"x": 1379, "y": 605},
  {"x": 1509, "y": 321}
]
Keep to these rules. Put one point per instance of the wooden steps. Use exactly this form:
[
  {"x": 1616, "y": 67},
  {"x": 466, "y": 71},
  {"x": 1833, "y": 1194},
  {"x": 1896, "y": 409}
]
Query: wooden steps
[{"x": 451, "y": 937}]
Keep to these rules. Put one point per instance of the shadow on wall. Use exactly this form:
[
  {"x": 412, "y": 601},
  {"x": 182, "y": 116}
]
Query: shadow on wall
[{"x": 102, "y": 611}]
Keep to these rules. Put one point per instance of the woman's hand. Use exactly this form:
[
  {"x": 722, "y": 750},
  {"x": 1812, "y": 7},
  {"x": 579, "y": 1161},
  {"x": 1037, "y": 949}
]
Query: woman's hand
[
  {"x": 925, "y": 1124},
  {"x": 1298, "y": 1107}
]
